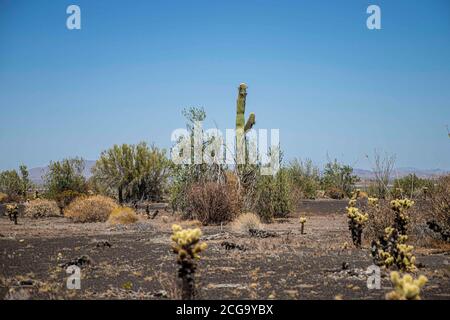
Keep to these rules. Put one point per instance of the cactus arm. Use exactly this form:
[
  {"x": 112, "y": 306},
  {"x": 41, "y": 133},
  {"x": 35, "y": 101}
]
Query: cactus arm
[
  {"x": 250, "y": 122},
  {"x": 240, "y": 111}
]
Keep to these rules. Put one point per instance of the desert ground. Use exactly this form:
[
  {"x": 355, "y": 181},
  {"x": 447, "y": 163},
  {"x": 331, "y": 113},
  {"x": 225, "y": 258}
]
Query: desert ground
[{"x": 136, "y": 262}]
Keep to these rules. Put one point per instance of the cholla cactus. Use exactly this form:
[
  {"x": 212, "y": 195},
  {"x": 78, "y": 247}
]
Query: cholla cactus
[
  {"x": 13, "y": 212},
  {"x": 373, "y": 202},
  {"x": 356, "y": 220},
  {"x": 400, "y": 208},
  {"x": 187, "y": 246},
  {"x": 302, "y": 222},
  {"x": 391, "y": 249},
  {"x": 406, "y": 288}
]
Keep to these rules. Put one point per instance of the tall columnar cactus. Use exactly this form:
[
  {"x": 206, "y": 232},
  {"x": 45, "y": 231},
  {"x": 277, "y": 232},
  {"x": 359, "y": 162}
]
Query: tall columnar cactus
[
  {"x": 240, "y": 111},
  {"x": 241, "y": 126}
]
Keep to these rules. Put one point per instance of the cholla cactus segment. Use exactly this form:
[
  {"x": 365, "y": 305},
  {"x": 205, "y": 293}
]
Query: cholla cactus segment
[
  {"x": 187, "y": 246},
  {"x": 356, "y": 222},
  {"x": 406, "y": 287},
  {"x": 302, "y": 222},
  {"x": 391, "y": 249},
  {"x": 400, "y": 205},
  {"x": 187, "y": 242},
  {"x": 372, "y": 201},
  {"x": 352, "y": 203}
]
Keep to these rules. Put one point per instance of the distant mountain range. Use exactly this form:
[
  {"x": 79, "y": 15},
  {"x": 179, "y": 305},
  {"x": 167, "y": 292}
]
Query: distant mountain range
[
  {"x": 36, "y": 174},
  {"x": 403, "y": 171}
]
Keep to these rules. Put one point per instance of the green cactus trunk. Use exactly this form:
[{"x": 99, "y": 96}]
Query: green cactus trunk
[
  {"x": 240, "y": 111},
  {"x": 241, "y": 126}
]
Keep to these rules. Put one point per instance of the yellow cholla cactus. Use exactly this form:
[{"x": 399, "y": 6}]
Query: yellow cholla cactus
[
  {"x": 400, "y": 205},
  {"x": 354, "y": 214},
  {"x": 11, "y": 207},
  {"x": 302, "y": 220},
  {"x": 406, "y": 287},
  {"x": 187, "y": 242},
  {"x": 352, "y": 203},
  {"x": 372, "y": 201}
]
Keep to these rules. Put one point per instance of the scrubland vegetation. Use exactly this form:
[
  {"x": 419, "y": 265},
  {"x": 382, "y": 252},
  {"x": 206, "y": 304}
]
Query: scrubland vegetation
[{"x": 383, "y": 220}]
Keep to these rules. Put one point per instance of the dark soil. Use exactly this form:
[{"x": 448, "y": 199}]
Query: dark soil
[{"x": 135, "y": 262}]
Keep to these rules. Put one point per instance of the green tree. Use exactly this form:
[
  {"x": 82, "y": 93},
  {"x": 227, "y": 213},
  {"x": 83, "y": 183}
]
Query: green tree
[
  {"x": 15, "y": 184},
  {"x": 411, "y": 185},
  {"x": 132, "y": 172},
  {"x": 306, "y": 176},
  {"x": 65, "y": 175},
  {"x": 339, "y": 176}
]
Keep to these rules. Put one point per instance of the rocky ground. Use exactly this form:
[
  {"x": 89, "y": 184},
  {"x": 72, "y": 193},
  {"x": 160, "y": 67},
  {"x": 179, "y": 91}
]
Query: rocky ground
[{"x": 135, "y": 262}]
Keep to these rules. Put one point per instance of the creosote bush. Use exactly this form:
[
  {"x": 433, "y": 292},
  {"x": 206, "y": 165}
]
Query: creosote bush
[
  {"x": 406, "y": 287},
  {"x": 187, "y": 246},
  {"x": 212, "y": 203},
  {"x": 90, "y": 209},
  {"x": 438, "y": 217},
  {"x": 123, "y": 215},
  {"x": 246, "y": 221},
  {"x": 41, "y": 208}
]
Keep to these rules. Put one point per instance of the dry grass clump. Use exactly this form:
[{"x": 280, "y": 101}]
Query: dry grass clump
[
  {"x": 246, "y": 221},
  {"x": 90, "y": 209},
  {"x": 40, "y": 208},
  {"x": 3, "y": 197},
  {"x": 380, "y": 217},
  {"x": 123, "y": 215},
  {"x": 212, "y": 203}
]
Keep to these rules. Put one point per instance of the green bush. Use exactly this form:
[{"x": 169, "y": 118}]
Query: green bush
[
  {"x": 273, "y": 196},
  {"x": 65, "y": 175},
  {"x": 337, "y": 176},
  {"x": 412, "y": 186},
  {"x": 305, "y": 176}
]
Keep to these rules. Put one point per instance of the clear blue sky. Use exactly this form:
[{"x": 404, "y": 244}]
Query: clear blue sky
[{"x": 313, "y": 69}]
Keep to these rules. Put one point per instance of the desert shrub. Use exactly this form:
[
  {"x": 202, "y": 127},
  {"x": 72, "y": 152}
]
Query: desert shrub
[
  {"x": 305, "y": 176},
  {"x": 380, "y": 217},
  {"x": 3, "y": 197},
  {"x": 65, "y": 198},
  {"x": 132, "y": 172},
  {"x": 273, "y": 196},
  {"x": 40, "y": 208},
  {"x": 90, "y": 209},
  {"x": 339, "y": 176},
  {"x": 412, "y": 186},
  {"x": 246, "y": 221},
  {"x": 123, "y": 215},
  {"x": 335, "y": 193},
  {"x": 438, "y": 215},
  {"x": 211, "y": 203},
  {"x": 65, "y": 175},
  {"x": 383, "y": 166},
  {"x": 15, "y": 184}
]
